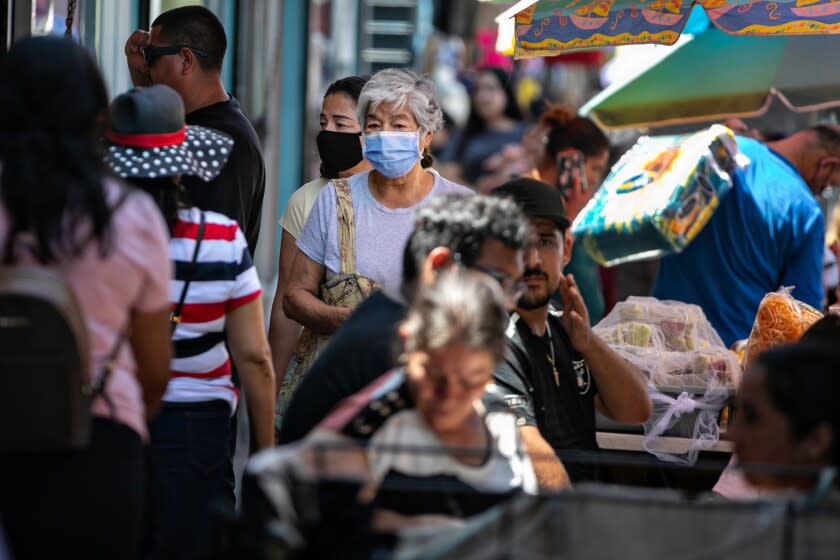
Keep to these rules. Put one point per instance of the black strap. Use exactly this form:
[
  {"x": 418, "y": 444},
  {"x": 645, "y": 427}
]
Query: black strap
[
  {"x": 175, "y": 316},
  {"x": 97, "y": 387}
]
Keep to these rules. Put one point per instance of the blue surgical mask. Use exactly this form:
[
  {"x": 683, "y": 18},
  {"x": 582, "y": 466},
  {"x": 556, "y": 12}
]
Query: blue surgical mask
[{"x": 392, "y": 153}]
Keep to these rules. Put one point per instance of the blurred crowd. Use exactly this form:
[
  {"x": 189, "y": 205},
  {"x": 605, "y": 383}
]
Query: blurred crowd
[{"x": 430, "y": 351}]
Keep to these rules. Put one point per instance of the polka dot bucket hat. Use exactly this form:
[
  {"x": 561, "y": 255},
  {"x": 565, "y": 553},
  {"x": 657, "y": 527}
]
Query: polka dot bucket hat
[{"x": 148, "y": 138}]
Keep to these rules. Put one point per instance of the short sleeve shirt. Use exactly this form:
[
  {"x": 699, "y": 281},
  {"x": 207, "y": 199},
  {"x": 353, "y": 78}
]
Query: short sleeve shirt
[
  {"x": 767, "y": 232},
  {"x": 223, "y": 279},
  {"x": 133, "y": 276},
  {"x": 300, "y": 205},
  {"x": 562, "y": 406},
  {"x": 381, "y": 232}
]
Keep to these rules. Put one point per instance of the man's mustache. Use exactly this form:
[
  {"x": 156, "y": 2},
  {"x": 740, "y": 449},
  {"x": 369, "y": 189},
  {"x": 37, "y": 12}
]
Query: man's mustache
[{"x": 534, "y": 273}]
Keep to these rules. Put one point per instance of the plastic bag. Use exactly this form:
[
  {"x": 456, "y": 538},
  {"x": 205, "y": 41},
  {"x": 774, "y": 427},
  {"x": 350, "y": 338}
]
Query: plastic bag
[
  {"x": 659, "y": 196},
  {"x": 671, "y": 341},
  {"x": 780, "y": 319},
  {"x": 691, "y": 374}
]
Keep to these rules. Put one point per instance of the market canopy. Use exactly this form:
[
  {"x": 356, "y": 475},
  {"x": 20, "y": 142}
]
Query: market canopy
[
  {"x": 712, "y": 75},
  {"x": 550, "y": 27}
]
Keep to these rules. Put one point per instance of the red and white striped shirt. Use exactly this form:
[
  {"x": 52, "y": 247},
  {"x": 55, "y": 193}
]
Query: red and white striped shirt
[{"x": 224, "y": 278}]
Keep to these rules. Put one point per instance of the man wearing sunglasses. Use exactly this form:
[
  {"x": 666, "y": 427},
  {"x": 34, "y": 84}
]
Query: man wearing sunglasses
[{"x": 185, "y": 50}]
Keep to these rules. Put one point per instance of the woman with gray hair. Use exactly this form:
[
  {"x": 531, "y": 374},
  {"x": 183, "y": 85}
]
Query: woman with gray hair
[
  {"x": 418, "y": 440},
  {"x": 354, "y": 238}
]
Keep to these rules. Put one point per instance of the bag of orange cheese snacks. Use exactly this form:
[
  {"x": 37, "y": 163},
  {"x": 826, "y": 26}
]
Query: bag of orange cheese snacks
[{"x": 780, "y": 319}]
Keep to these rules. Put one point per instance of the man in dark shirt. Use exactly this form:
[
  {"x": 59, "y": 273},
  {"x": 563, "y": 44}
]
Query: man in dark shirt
[
  {"x": 556, "y": 370},
  {"x": 484, "y": 234},
  {"x": 481, "y": 231},
  {"x": 185, "y": 50}
]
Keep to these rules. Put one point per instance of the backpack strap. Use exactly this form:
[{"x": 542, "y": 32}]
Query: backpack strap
[
  {"x": 175, "y": 316},
  {"x": 97, "y": 386},
  {"x": 346, "y": 227}
]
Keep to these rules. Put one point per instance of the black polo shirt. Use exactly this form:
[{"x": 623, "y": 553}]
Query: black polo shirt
[{"x": 562, "y": 408}]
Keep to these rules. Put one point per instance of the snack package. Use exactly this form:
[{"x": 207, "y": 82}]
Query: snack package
[
  {"x": 780, "y": 318},
  {"x": 658, "y": 196}
]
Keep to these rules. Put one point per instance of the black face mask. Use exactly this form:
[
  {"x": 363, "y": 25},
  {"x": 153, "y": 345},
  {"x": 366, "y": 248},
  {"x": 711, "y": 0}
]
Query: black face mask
[{"x": 339, "y": 151}]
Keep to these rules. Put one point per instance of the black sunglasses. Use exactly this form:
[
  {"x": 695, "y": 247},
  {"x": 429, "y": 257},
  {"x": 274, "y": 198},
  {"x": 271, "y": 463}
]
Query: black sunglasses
[{"x": 151, "y": 54}]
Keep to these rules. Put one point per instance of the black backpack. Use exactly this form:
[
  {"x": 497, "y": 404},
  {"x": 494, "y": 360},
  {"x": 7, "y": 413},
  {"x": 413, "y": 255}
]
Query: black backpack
[{"x": 45, "y": 384}]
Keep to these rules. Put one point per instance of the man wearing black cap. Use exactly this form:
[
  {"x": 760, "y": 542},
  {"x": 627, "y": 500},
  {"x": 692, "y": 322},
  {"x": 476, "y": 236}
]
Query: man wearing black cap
[{"x": 557, "y": 372}]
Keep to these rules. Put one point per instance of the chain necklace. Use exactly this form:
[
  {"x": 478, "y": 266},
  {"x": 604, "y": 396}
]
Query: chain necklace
[{"x": 550, "y": 356}]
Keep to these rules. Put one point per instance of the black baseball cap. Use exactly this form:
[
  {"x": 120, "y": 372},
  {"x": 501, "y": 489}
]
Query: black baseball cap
[{"x": 536, "y": 199}]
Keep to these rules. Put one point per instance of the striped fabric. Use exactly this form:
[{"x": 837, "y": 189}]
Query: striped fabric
[{"x": 224, "y": 279}]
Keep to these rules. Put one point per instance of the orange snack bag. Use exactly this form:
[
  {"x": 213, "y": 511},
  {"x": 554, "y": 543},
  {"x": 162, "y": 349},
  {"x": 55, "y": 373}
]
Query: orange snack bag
[{"x": 780, "y": 319}]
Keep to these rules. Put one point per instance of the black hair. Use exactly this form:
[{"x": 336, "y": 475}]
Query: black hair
[
  {"x": 462, "y": 224},
  {"x": 169, "y": 194},
  {"x": 198, "y": 27},
  {"x": 803, "y": 382},
  {"x": 567, "y": 130},
  {"x": 825, "y": 332},
  {"x": 475, "y": 124},
  {"x": 350, "y": 86},
  {"x": 53, "y": 109}
]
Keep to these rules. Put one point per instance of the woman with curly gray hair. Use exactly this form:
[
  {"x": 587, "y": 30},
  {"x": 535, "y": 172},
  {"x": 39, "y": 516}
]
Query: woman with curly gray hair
[
  {"x": 420, "y": 441},
  {"x": 353, "y": 240}
]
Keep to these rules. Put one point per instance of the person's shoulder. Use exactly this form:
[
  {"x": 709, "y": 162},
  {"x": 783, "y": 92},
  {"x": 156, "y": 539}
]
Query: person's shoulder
[
  {"x": 303, "y": 198},
  {"x": 131, "y": 207},
  {"x": 311, "y": 189},
  {"x": 325, "y": 199},
  {"x": 227, "y": 117},
  {"x": 361, "y": 415},
  {"x": 218, "y": 219},
  {"x": 516, "y": 359},
  {"x": 750, "y": 146},
  {"x": 772, "y": 170},
  {"x": 356, "y": 182},
  {"x": 140, "y": 232},
  {"x": 512, "y": 331},
  {"x": 445, "y": 186}
]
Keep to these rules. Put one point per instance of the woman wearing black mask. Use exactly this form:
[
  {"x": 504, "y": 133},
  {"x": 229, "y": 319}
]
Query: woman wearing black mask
[{"x": 340, "y": 148}]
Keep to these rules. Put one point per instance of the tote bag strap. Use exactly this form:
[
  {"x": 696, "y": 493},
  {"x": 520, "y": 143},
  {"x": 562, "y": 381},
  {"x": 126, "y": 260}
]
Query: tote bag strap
[{"x": 346, "y": 227}]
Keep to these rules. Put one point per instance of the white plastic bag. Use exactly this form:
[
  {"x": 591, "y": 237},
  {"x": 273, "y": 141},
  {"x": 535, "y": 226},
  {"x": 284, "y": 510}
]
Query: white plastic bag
[{"x": 691, "y": 373}]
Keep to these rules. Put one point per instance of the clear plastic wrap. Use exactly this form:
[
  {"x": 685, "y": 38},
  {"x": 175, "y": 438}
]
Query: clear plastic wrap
[
  {"x": 780, "y": 318},
  {"x": 691, "y": 373},
  {"x": 671, "y": 341},
  {"x": 659, "y": 196}
]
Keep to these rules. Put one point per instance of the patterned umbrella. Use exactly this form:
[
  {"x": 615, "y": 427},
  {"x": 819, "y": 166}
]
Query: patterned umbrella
[
  {"x": 713, "y": 75},
  {"x": 549, "y": 27}
]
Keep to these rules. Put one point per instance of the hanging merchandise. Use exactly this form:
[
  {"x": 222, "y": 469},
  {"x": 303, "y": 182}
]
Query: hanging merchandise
[
  {"x": 659, "y": 196},
  {"x": 780, "y": 319}
]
